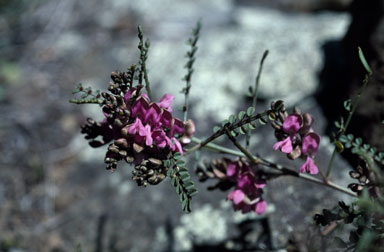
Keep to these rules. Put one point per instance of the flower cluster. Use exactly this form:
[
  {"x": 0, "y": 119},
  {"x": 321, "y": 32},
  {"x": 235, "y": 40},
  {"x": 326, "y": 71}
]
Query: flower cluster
[
  {"x": 247, "y": 194},
  {"x": 297, "y": 139},
  {"x": 143, "y": 132}
]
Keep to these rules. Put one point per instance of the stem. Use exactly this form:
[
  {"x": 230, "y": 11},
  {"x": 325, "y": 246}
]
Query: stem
[
  {"x": 256, "y": 91},
  {"x": 257, "y": 82},
  {"x": 354, "y": 106},
  {"x": 84, "y": 101},
  {"x": 264, "y": 162},
  {"x": 222, "y": 131}
]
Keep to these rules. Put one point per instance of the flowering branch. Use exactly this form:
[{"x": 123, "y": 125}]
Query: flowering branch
[
  {"x": 258, "y": 160},
  {"x": 222, "y": 132}
]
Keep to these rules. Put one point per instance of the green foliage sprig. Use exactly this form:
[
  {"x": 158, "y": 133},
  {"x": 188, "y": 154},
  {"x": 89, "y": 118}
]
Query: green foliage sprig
[
  {"x": 189, "y": 66},
  {"x": 244, "y": 122},
  {"x": 87, "y": 95},
  {"x": 143, "y": 47},
  {"x": 358, "y": 147},
  {"x": 350, "y": 106},
  {"x": 181, "y": 180}
]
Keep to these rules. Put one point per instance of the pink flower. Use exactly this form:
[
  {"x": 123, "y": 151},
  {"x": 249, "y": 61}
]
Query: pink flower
[
  {"x": 310, "y": 143},
  {"x": 292, "y": 124},
  {"x": 309, "y": 166},
  {"x": 166, "y": 101},
  {"x": 248, "y": 189},
  {"x": 260, "y": 207},
  {"x": 285, "y": 145},
  {"x": 236, "y": 196},
  {"x": 138, "y": 127},
  {"x": 231, "y": 169},
  {"x": 296, "y": 127}
]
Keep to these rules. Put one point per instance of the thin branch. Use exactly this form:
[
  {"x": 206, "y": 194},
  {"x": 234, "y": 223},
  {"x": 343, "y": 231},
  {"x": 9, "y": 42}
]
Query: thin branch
[
  {"x": 264, "y": 162},
  {"x": 222, "y": 131},
  {"x": 256, "y": 91}
]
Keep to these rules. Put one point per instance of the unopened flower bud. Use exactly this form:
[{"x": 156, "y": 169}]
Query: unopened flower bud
[{"x": 295, "y": 153}]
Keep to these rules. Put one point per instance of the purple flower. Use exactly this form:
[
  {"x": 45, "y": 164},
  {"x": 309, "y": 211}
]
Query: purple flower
[
  {"x": 285, "y": 145},
  {"x": 310, "y": 143},
  {"x": 292, "y": 124},
  {"x": 260, "y": 207},
  {"x": 309, "y": 166},
  {"x": 145, "y": 129},
  {"x": 236, "y": 196},
  {"x": 248, "y": 190},
  {"x": 294, "y": 128},
  {"x": 166, "y": 101}
]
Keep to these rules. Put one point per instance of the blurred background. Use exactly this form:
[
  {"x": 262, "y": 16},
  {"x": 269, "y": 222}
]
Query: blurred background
[{"x": 54, "y": 190}]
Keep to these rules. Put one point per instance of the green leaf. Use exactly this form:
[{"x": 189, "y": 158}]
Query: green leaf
[
  {"x": 252, "y": 125},
  {"x": 177, "y": 155},
  {"x": 216, "y": 129},
  {"x": 372, "y": 150},
  {"x": 166, "y": 163},
  {"x": 190, "y": 186},
  {"x": 183, "y": 169},
  {"x": 358, "y": 140},
  {"x": 232, "y": 118},
  {"x": 169, "y": 172},
  {"x": 262, "y": 121},
  {"x": 243, "y": 131},
  {"x": 181, "y": 196},
  {"x": 225, "y": 123},
  {"x": 174, "y": 181},
  {"x": 343, "y": 139},
  {"x": 180, "y": 163},
  {"x": 192, "y": 192},
  {"x": 347, "y": 105},
  {"x": 241, "y": 115},
  {"x": 364, "y": 61},
  {"x": 250, "y": 111},
  {"x": 184, "y": 175},
  {"x": 350, "y": 137},
  {"x": 178, "y": 189},
  {"x": 184, "y": 204}
]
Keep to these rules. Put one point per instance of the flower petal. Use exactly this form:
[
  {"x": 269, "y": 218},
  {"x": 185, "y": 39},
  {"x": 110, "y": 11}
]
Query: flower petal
[
  {"x": 166, "y": 101},
  {"x": 236, "y": 196},
  {"x": 231, "y": 169},
  {"x": 285, "y": 145},
  {"x": 260, "y": 207},
  {"x": 292, "y": 124},
  {"x": 309, "y": 166},
  {"x": 310, "y": 143}
]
